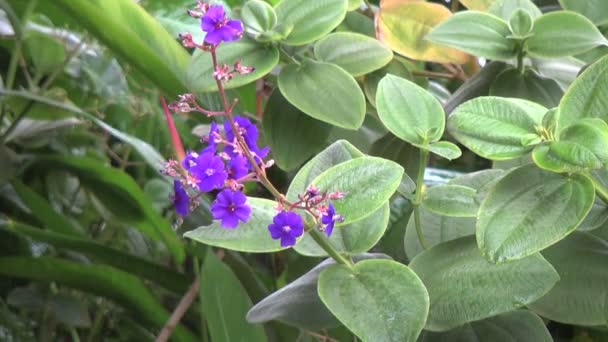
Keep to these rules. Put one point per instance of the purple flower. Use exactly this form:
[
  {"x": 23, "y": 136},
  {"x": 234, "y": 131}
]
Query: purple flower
[
  {"x": 249, "y": 132},
  {"x": 218, "y": 27},
  {"x": 286, "y": 226},
  {"x": 238, "y": 167},
  {"x": 209, "y": 172},
  {"x": 181, "y": 202},
  {"x": 329, "y": 219},
  {"x": 230, "y": 207},
  {"x": 190, "y": 160},
  {"x": 212, "y": 145}
]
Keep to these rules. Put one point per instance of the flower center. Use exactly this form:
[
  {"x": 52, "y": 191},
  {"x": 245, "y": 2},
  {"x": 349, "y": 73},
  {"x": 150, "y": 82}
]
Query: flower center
[
  {"x": 209, "y": 172},
  {"x": 286, "y": 229},
  {"x": 231, "y": 208}
]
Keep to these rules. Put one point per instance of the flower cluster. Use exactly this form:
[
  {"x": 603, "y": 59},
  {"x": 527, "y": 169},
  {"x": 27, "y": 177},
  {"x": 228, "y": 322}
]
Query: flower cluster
[{"x": 231, "y": 155}]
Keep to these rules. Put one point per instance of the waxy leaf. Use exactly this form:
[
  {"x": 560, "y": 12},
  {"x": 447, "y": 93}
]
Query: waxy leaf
[
  {"x": 353, "y": 52},
  {"x": 451, "y": 200},
  {"x": 595, "y": 10},
  {"x": 325, "y": 92},
  {"x": 493, "y": 127},
  {"x": 226, "y": 303},
  {"x": 445, "y": 149},
  {"x": 258, "y": 17},
  {"x": 580, "y": 297},
  {"x": 291, "y": 147},
  {"x": 404, "y": 25},
  {"x": 530, "y": 209},
  {"x": 520, "y": 23},
  {"x": 527, "y": 86},
  {"x": 519, "y": 325},
  {"x": 505, "y": 8},
  {"x": 311, "y": 20},
  {"x": 586, "y": 96},
  {"x": 563, "y": 33},
  {"x": 251, "y": 53},
  {"x": 382, "y": 300},
  {"x": 478, "y": 33},
  {"x": 464, "y": 287},
  {"x": 371, "y": 80},
  {"x": 408, "y": 111},
  {"x": 368, "y": 183},
  {"x": 251, "y": 236}
]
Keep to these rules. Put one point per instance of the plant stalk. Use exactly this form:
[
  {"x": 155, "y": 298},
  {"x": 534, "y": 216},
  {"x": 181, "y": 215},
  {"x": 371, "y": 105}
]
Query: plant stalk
[
  {"x": 324, "y": 243},
  {"x": 600, "y": 190},
  {"x": 424, "y": 159}
]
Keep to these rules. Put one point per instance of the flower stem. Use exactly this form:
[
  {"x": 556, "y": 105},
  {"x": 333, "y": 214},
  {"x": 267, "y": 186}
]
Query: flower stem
[
  {"x": 424, "y": 158},
  {"x": 324, "y": 243}
]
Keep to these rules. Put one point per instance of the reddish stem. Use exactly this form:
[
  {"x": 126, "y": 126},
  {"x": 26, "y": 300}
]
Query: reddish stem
[{"x": 178, "y": 147}]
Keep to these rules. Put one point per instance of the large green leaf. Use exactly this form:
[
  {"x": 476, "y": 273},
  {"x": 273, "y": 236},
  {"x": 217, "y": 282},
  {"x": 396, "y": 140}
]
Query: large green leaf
[
  {"x": 408, "y": 111},
  {"x": 563, "y": 33},
  {"x": 225, "y": 304},
  {"x": 451, "y": 200},
  {"x": 528, "y": 86},
  {"x": 135, "y": 36},
  {"x": 586, "y": 96},
  {"x": 367, "y": 181},
  {"x": 478, "y": 33},
  {"x": 514, "y": 326},
  {"x": 293, "y": 136},
  {"x": 251, "y": 236},
  {"x": 258, "y": 17},
  {"x": 310, "y": 20},
  {"x": 530, "y": 209},
  {"x": 493, "y": 127},
  {"x": 595, "y": 10},
  {"x": 464, "y": 287},
  {"x": 580, "y": 297},
  {"x": 263, "y": 58},
  {"x": 173, "y": 281},
  {"x": 120, "y": 195},
  {"x": 325, "y": 92},
  {"x": 382, "y": 300},
  {"x": 353, "y": 52},
  {"x": 121, "y": 287}
]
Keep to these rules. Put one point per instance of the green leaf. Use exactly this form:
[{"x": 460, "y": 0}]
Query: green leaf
[
  {"x": 585, "y": 97},
  {"x": 527, "y": 86},
  {"x": 46, "y": 52},
  {"x": 382, "y": 300},
  {"x": 291, "y": 147},
  {"x": 121, "y": 287},
  {"x": 581, "y": 146},
  {"x": 520, "y": 23},
  {"x": 355, "y": 238},
  {"x": 251, "y": 236},
  {"x": 529, "y": 210},
  {"x": 477, "y": 33},
  {"x": 325, "y": 92},
  {"x": 519, "y": 325},
  {"x": 596, "y": 218},
  {"x": 371, "y": 80},
  {"x": 408, "y": 111},
  {"x": 298, "y": 303},
  {"x": 353, "y": 4},
  {"x": 358, "y": 23},
  {"x": 595, "y": 10},
  {"x": 173, "y": 281},
  {"x": 580, "y": 296},
  {"x": 464, "y": 287},
  {"x": 120, "y": 195},
  {"x": 563, "y": 33},
  {"x": 200, "y": 70},
  {"x": 258, "y": 17},
  {"x": 226, "y": 303},
  {"x": 355, "y": 53},
  {"x": 135, "y": 37},
  {"x": 367, "y": 181},
  {"x": 493, "y": 127},
  {"x": 443, "y": 149},
  {"x": 451, "y": 200},
  {"x": 505, "y": 8},
  {"x": 311, "y": 20}
]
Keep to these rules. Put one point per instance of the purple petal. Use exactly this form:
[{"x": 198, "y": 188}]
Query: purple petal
[
  {"x": 181, "y": 201},
  {"x": 329, "y": 229},
  {"x": 287, "y": 241},
  {"x": 213, "y": 37},
  {"x": 275, "y": 230},
  {"x": 229, "y": 221},
  {"x": 243, "y": 213}
]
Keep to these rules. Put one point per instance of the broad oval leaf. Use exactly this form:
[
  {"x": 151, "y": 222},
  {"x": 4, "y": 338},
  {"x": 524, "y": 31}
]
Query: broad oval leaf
[
  {"x": 353, "y": 52},
  {"x": 563, "y": 33},
  {"x": 586, "y": 96},
  {"x": 368, "y": 183},
  {"x": 311, "y": 20},
  {"x": 595, "y": 10},
  {"x": 371, "y": 80},
  {"x": 520, "y": 23},
  {"x": 527, "y": 86},
  {"x": 226, "y": 304},
  {"x": 519, "y": 325},
  {"x": 251, "y": 236},
  {"x": 404, "y": 25},
  {"x": 258, "y": 17},
  {"x": 408, "y": 111},
  {"x": 445, "y": 149},
  {"x": 493, "y": 127},
  {"x": 504, "y": 8},
  {"x": 451, "y": 200},
  {"x": 464, "y": 287},
  {"x": 291, "y": 147},
  {"x": 530, "y": 209},
  {"x": 199, "y": 77},
  {"x": 325, "y": 92},
  {"x": 580, "y": 297},
  {"x": 382, "y": 300},
  {"x": 478, "y": 33}
]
